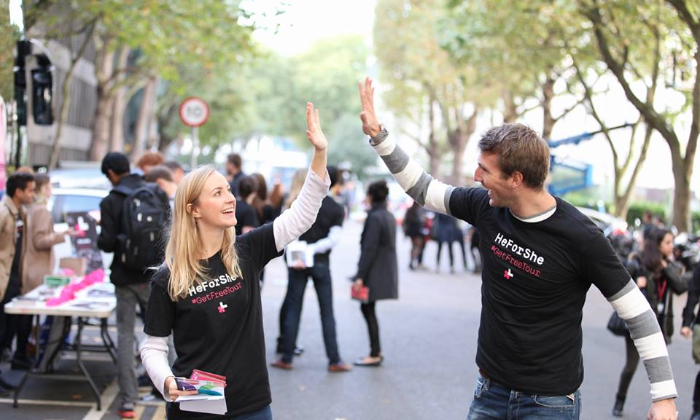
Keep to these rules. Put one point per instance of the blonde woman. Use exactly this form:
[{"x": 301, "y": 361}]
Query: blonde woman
[{"x": 207, "y": 292}]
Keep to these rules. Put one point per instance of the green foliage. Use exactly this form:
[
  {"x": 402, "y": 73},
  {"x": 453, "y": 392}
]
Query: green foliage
[
  {"x": 8, "y": 37},
  {"x": 348, "y": 146},
  {"x": 637, "y": 209}
]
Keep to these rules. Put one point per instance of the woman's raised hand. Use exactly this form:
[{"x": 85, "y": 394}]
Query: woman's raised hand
[
  {"x": 314, "y": 133},
  {"x": 370, "y": 124}
]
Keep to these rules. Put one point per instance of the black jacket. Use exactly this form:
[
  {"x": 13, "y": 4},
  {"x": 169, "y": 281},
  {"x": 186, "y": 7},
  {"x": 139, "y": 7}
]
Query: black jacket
[
  {"x": 111, "y": 226},
  {"x": 378, "y": 267},
  {"x": 689, "y": 316}
]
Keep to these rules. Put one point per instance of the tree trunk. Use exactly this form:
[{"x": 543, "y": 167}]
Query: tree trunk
[
  {"x": 510, "y": 113},
  {"x": 140, "y": 134},
  {"x": 433, "y": 146},
  {"x": 101, "y": 126},
  {"x": 65, "y": 99},
  {"x": 548, "y": 119},
  {"x": 164, "y": 118},
  {"x": 116, "y": 143},
  {"x": 681, "y": 197},
  {"x": 622, "y": 202},
  {"x": 104, "y": 68},
  {"x": 459, "y": 140}
]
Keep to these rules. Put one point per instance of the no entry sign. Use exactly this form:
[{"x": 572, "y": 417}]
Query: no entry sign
[{"x": 194, "y": 112}]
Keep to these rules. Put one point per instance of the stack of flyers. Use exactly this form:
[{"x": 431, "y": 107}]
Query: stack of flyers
[{"x": 210, "y": 393}]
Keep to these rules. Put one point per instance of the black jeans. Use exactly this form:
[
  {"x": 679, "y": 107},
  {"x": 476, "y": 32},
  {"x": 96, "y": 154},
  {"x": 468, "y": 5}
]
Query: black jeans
[
  {"x": 23, "y": 327},
  {"x": 321, "y": 276},
  {"x": 696, "y": 395},
  {"x": 368, "y": 311},
  {"x": 630, "y": 367}
]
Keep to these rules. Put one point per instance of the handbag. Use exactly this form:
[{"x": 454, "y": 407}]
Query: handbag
[
  {"x": 359, "y": 293},
  {"x": 617, "y": 326}
]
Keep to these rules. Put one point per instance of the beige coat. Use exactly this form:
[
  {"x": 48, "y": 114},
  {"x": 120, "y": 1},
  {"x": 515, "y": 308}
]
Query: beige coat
[
  {"x": 38, "y": 256},
  {"x": 8, "y": 236}
]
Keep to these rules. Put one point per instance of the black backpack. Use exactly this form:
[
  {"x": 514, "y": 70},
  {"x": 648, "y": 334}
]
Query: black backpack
[{"x": 145, "y": 213}]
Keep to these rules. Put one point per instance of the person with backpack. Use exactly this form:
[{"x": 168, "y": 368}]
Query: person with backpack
[{"x": 133, "y": 217}]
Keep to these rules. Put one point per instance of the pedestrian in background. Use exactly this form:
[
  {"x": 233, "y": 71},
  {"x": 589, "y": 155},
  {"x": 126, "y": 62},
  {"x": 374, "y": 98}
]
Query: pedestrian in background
[
  {"x": 448, "y": 233},
  {"x": 20, "y": 189},
  {"x": 245, "y": 212},
  {"x": 294, "y": 190},
  {"x": 323, "y": 235},
  {"x": 207, "y": 292},
  {"x": 131, "y": 284},
  {"x": 38, "y": 259},
  {"x": 691, "y": 328},
  {"x": 264, "y": 207},
  {"x": 176, "y": 170},
  {"x": 148, "y": 160},
  {"x": 413, "y": 223},
  {"x": 162, "y": 176},
  {"x": 234, "y": 171},
  {"x": 658, "y": 276},
  {"x": 378, "y": 266}
]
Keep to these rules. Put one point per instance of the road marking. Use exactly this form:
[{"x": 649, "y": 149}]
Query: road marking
[
  {"x": 49, "y": 402},
  {"x": 108, "y": 396},
  {"x": 160, "y": 413}
]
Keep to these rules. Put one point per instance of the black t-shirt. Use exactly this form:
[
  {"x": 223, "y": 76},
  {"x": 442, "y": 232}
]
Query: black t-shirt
[
  {"x": 245, "y": 216},
  {"x": 14, "y": 283},
  {"x": 535, "y": 279},
  {"x": 330, "y": 214},
  {"x": 218, "y": 327}
]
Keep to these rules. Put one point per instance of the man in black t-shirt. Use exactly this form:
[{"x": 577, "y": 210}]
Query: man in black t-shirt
[
  {"x": 540, "y": 257},
  {"x": 323, "y": 235}
]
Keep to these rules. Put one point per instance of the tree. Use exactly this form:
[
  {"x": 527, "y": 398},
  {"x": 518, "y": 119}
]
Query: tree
[
  {"x": 8, "y": 36},
  {"x": 521, "y": 49},
  {"x": 422, "y": 82},
  {"x": 161, "y": 36},
  {"x": 625, "y": 33}
]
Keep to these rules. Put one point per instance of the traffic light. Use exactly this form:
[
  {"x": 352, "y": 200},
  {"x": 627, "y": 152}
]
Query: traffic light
[
  {"x": 40, "y": 85},
  {"x": 42, "y": 91},
  {"x": 24, "y": 48}
]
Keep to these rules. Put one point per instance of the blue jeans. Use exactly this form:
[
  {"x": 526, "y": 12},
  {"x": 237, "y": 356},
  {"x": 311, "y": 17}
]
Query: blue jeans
[
  {"x": 263, "y": 414},
  {"x": 321, "y": 276},
  {"x": 495, "y": 402}
]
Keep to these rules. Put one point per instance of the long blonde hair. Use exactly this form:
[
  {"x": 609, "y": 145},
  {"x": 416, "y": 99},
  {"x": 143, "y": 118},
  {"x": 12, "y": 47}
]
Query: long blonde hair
[
  {"x": 182, "y": 252},
  {"x": 295, "y": 188}
]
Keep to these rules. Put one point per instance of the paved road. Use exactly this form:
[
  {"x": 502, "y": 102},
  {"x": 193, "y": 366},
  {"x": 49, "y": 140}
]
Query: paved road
[{"x": 429, "y": 341}]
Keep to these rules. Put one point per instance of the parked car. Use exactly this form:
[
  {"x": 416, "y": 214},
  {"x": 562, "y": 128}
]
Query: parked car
[
  {"x": 70, "y": 200},
  {"x": 80, "y": 177}
]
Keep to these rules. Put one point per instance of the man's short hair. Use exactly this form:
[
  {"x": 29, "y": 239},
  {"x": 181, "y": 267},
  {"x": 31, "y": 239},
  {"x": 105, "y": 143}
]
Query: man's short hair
[
  {"x": 18, "y": 180},
  {"x": 519, "y": 149},
  {"x": 173, "y": 166},
  {"x": 235, "y": 160},
  {"x": 246, "y": 186},
  {"x": 335, "y": 175},
  {"x": 158, "y": 172},
  {"x": 117, "y": 162},
  {"x": 378, "y": 190},
  {"x": 150, "y": 159}
]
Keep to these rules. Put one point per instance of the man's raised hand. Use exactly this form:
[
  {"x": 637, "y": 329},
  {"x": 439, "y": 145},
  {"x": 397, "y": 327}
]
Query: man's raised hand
[
  {"x": 314, "y": 133},
  {"x": 370, "y": 124}
]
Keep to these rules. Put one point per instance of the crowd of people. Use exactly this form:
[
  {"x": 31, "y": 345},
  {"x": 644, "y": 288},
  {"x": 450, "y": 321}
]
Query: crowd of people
[{"x": 197, "y": 282}]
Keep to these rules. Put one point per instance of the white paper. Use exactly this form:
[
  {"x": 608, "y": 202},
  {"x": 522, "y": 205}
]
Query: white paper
[
  {"x": 298, "y": 250},
  {"x": 210, "y": 404}
]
